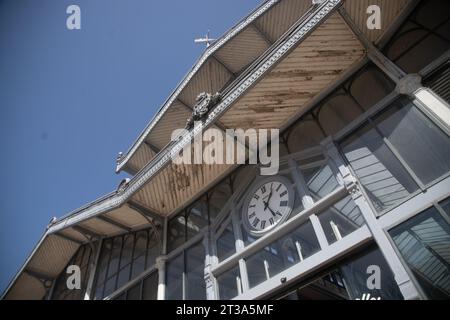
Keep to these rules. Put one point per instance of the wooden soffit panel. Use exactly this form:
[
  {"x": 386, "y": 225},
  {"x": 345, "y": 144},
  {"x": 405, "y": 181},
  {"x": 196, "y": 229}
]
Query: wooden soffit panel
[
  {"x": 176, "y": 185},
  {"x": 274, "y": 23},
  {"x": 52, "y": 256},
  {"x": 315, "y": 64}
]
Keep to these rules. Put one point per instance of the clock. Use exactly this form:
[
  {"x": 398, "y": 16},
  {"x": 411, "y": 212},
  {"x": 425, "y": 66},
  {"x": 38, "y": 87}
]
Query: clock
[{"x": 269, "y": 203}]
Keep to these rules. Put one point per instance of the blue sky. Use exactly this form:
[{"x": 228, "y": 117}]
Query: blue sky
[{"x": 71, "y": 100}]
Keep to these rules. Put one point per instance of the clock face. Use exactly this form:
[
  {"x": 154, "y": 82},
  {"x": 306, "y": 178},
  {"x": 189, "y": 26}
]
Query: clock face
[{"x": 268, "y": 204}]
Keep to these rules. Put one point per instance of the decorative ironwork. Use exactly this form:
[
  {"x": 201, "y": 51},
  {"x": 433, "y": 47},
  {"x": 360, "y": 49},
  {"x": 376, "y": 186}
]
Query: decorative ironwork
[{"x": 204, "y": 103}]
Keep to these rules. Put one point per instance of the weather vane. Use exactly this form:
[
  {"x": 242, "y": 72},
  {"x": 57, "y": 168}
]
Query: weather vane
[{"x": 206, "y": 40}]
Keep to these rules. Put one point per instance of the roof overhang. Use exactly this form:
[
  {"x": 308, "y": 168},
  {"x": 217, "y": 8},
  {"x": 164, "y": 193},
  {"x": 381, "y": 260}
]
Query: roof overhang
[{"x": 129, "y": 208}]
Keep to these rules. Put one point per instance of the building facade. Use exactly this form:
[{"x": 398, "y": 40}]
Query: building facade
[{"x": 363, "y": 187}]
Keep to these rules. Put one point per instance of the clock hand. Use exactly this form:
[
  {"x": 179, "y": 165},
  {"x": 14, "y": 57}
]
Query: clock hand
[
  {"x": 272, "y": 212},
  {"x": 266, "y": 204}
]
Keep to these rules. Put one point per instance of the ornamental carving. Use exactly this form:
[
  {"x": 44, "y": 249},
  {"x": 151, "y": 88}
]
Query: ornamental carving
[{"x": 203, "y": 105}]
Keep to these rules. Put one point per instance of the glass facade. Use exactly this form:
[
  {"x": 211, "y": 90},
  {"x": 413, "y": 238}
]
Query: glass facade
[
  {"x": 424, "y": 243},
  {"x": 394, "y": 149},
  {"x": 349, "y": 281},
  {"x": 185, "y": 275},
  {"x": 145, "y": 289},
  {"x": 383, "y": 154},
  {"x": 125, "y": 257},
  {"x": 424, "y": 37}
]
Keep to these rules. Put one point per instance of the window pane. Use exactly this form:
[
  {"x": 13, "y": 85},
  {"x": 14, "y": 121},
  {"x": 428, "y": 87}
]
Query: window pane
[
  {"x": 103, "y": 263},
  {"x": 150, "y": 289},
  {"x": 370, "y": 87},
  {"x": 226, "y": 244},
  {"x": 422, "y": 54},
  {"x": 140, "y": 247},
  {"x": 115, "y": 256},
  {"x": 258, "y": 268},
  {"x": 384, "y": 179},
  {"x": 282, "y": 254},
  {"x": 124, "y": 276},
  {"x": 341, "y": 220},
  {"x": 320, "y": 181},
  {"x": 174, "y": 278},
  {"x": 422, "y": 38},
  {"x": 422, "y": 144},
  {"x": 446, "y": 206},
  {"x": 176, "y": 232},
  {"x": 154, "y": 249},
  {"x": 355, "y": 274},
  {"x": 424, "y": 242},
  {"x": 305, "y": 135},
  {"x": 197, "y": 218},
  {"x": 229, "y": 284},
  {"x": 110, "y": 286},
  {"x": 138, "y": 266},
  {"x": 337, "y": 112},
  {"x": 127, "y": 251},
  {"x": 135, "y": 292},
  {"x": 195, "y": 271},
  {"x": 218, "y": 198}
]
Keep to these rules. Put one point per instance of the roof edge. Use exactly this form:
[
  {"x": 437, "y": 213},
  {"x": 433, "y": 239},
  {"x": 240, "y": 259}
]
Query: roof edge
[{"x": 260, "y": 10}]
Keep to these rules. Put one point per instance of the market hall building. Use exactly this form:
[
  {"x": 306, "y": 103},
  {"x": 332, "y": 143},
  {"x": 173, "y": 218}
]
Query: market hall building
[{"x": 363, "y": 191}]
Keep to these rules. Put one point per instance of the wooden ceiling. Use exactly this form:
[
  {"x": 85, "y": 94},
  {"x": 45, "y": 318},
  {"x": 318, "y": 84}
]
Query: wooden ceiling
[{"x": 311, "y": 67}]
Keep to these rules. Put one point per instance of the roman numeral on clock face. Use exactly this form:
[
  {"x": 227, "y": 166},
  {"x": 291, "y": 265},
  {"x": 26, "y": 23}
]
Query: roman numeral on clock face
[
  {"x": 263, "y": 224},
  {"x": 256, "y": 222}
]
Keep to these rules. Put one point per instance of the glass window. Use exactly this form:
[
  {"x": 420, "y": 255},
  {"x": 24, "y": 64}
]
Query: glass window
[
  {"x": 229, "y": 284},
  {"x": 337, "y": 112},
  {"x": 135, "y": 292},
  {"x": 357, "y": 270},
  {"x": 385, "y": 180},
  {"x": 363, "y": 91},
  {"x": 258, "y": 266},
  {"x": 150, "y": 287},
  {"x": 282, "y": 254},
  {"x": 320, "y": 181},
  {"x": 197, "y": 217},
  {"x": 424, "y": 146},
  {"x": 423, "y": 37},
  {"x": 226, "y": 243},
  {"x": 115, "y": 257},
  {"x": 341, "y": 220},
  {"x": 123, "y": 258},
  {"x": 195, "y": 271},
  {"x": 174, "y": 278},
  {"x": 369, "y": 87},
  {"x": 218, "y": 197},
  {"x": 176, "y": 232},
  {"x": 424, "y": 243},
  {"x": 306, "y": 134},
  {"x": 154, "y": 248},
  {"x": 445, "y": 205}
]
